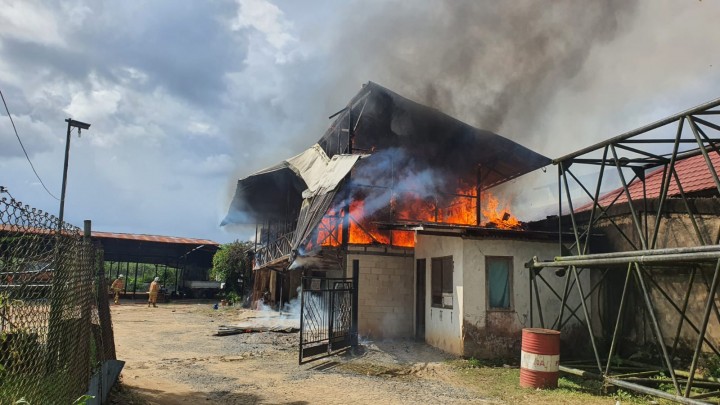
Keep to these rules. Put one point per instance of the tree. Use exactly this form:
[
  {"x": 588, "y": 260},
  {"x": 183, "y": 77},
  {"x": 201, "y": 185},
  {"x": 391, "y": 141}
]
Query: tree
[{"x": 230, "y": 266}]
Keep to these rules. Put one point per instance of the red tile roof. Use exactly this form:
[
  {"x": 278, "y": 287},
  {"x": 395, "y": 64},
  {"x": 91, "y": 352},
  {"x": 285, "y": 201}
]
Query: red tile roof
[
  {"x": 153, "y": 238},
  {"x": 693, "y": 173}
]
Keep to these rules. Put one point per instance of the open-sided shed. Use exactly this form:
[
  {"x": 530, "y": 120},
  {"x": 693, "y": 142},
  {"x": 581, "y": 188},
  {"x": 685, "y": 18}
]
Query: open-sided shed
[{"x": 176, "y": 260}]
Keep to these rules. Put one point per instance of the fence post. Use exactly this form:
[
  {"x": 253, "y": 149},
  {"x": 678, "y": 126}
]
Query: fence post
[
  {"x": 87, "y": 230},
  {"x": 302, "y": 317},
  {"x": 86, "y": 273},
  {"x": 355, "y": 300}
]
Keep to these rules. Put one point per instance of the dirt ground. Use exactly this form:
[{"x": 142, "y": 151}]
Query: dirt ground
[{"x": 172, "y": 357}]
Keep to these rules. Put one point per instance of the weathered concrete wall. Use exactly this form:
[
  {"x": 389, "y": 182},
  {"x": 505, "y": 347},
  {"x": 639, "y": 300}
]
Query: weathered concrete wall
[
  {"x": 497, "y": 333},
  {"x": 386, "y": 291},
  {"x": 675, "y": 230},
  {"x": 443, "y": 326}
]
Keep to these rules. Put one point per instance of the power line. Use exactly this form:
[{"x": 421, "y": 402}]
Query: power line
[{"x": 23, "y": 147}]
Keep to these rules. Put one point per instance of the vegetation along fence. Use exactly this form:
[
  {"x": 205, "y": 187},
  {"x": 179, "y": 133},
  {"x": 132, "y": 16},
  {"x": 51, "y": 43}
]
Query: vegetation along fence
[{"x": 55, "y": 327}]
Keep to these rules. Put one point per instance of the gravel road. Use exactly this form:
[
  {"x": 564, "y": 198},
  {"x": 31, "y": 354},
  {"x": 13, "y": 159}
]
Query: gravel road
[{"x": 172, "y": 357}]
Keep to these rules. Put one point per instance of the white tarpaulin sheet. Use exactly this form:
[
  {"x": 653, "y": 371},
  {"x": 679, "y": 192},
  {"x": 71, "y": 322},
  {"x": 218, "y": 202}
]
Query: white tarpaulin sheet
[{"x": 321, "y": 173}]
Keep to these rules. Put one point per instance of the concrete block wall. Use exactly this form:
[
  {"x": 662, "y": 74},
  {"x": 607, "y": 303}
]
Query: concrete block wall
[
  {"x": 676, "y": 230},
  {"x": 386, "y": 291}
]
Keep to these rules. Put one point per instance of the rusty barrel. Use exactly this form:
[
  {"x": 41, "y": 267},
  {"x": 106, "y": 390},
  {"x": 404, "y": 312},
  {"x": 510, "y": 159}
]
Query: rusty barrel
[{"x": 539, "y": 358}]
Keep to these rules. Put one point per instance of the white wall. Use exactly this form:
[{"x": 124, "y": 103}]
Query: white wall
[
  {"x": 443, "y": 327},
  {"x": 470, "y": 329},
  {"x": 496, "y": 333}
]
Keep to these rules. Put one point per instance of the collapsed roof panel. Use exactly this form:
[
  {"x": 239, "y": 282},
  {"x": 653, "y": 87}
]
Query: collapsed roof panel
[
  {"x": 277, "y": 191},
  {"x": 269, "y": 194},
  {"x": 400, "y": 136},
  {"x": 381, "y": 119}
]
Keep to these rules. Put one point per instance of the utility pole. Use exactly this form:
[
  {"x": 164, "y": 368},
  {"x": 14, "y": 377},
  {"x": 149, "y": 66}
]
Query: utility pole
[
  {"x": 80, "y": 126},
  {"x": 60, "y": 277}
]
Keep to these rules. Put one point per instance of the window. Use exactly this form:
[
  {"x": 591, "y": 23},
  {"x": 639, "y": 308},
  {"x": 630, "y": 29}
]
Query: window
[
  {"x": 499, "y": 282},
  {"x": 442, "y": 282}
]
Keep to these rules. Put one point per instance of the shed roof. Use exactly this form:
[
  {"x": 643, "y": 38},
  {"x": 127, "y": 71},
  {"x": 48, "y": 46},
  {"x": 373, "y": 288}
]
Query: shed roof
[
  {"x": 127, "y": 247},
  {"x": 153, "y": 238}
]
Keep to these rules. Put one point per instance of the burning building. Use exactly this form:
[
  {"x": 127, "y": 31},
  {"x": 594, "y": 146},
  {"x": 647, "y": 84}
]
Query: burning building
[{"x": 389, "y": 178}]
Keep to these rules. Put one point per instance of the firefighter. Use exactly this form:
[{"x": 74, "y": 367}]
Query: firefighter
[
  {"x": 117, "y": 286},
  {"x": 153, "y": 293}
]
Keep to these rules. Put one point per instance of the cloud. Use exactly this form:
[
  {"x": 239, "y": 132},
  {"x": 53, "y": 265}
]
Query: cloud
[
  {"x": 98, "y": 102},
  {"x": 200, "y": 128},
  {"x": 268, "y": 20},
  {"x": 186, "y": 97},
  {"x": 37, "y": 136},
  {"x": 29, "y": 21},
  {"x": 214, "y": 166}
]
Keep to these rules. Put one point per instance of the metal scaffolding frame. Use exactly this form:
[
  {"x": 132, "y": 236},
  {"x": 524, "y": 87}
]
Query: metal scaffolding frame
[{"x": 635, "y": 154}]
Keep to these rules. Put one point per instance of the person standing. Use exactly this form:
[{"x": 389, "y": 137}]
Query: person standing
[
  {"x": 117, "y": 286},
  {"x": 153, "y": 292}
]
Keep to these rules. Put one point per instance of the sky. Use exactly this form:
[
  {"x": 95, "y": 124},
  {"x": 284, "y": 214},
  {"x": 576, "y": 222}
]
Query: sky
[{"x": 186, "y": 97}]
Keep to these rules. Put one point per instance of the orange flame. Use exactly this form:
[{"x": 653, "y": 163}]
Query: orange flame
[
  {"x": 461, "y": 210},
  {"x": 501, "y": 218}
]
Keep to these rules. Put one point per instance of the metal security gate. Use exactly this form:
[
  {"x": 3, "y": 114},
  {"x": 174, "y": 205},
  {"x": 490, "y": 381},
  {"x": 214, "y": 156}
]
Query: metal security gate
[{"x": 328, "y": 316}]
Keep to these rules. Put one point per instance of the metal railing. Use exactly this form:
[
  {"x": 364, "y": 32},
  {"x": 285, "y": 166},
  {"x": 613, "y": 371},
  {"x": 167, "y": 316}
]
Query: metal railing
[{"x": 274, "y": 250}]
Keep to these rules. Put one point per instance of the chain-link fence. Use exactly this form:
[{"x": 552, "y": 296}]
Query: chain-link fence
[{"x": 55, "y": 328}]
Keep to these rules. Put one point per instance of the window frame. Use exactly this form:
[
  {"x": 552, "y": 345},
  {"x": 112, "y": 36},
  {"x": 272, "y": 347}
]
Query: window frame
[
  {"x": 443, "y": 291},
  {"x": 509, "y": 261}
]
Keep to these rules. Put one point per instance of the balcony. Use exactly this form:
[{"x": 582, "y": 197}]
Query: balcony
[{"x": 276, "y": 250}]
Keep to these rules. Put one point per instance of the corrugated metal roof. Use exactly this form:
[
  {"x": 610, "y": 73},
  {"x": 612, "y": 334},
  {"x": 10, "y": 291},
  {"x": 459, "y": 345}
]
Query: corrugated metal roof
[
  {"x": 693, "y": 173},
  {"x": 153, "y": 238},
  {"x": 112, "y": 235},
  {"x": 28, "y": 229}
]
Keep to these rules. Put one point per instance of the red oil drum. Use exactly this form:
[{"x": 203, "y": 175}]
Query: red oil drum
[{"x": 539, "y": 358}]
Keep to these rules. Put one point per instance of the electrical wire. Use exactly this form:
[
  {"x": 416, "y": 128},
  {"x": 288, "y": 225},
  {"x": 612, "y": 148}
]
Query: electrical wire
[{"x": 23, "y": 148}]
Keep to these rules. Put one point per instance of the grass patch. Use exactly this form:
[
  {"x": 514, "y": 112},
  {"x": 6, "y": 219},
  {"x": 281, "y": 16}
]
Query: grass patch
[
  {"x": 503, "y": 384},
  {"x": 38, "y": 389}
]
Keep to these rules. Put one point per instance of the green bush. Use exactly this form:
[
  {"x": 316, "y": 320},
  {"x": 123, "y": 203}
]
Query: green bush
[
  {"x": 230, "y": 266},
  {"x": 713, "y": 366},
  {"x": 232, "y": 297}
]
